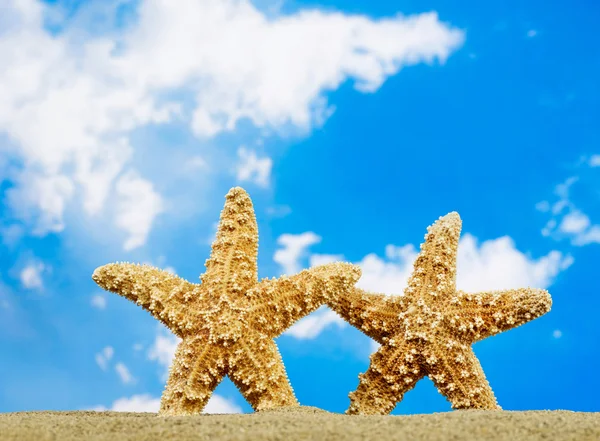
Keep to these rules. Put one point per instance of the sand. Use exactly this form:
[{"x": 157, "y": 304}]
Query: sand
[{"x": 302, "y": 423}]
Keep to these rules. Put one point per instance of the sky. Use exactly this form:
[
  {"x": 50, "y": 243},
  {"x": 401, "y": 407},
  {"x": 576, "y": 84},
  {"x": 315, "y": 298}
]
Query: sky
[{"x": 353, "y": 125}]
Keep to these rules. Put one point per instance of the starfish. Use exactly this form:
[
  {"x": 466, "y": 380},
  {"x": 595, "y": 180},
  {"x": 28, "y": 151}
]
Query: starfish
[
  {"x": 228, "y": 322},
  {"x": 430, "y": 329}
]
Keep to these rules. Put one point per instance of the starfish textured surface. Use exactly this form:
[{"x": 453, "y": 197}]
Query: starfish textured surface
[
  {"x": 228, "y": 322},
  {"x": 430, "y": 329}
]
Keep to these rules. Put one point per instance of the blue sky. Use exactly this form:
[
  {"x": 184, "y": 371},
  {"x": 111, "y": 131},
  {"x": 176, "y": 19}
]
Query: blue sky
[{"x": 352, "y": 124}]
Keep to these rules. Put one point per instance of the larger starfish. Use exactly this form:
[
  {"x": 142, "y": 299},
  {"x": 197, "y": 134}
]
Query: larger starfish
[
  {"x": 228, "y": 322},
  {"x": 430, "y": 329}
]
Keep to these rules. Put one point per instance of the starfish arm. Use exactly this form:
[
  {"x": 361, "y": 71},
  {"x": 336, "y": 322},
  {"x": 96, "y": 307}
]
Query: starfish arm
[
  {"x": 279, "y": 303},
  {"x": 163, "y": 294},
  {"x": 258, "y": 372},
  {"x": 373, "y": 314},
  {"x": 484, "y": 314},
  {"x": 457, "y": 374},
  {"x": 435, "y": 267},
  {"x": 393, "y": 371},
  {"x": 197, "y": 369},
  {"x": 232, "y": 269}
]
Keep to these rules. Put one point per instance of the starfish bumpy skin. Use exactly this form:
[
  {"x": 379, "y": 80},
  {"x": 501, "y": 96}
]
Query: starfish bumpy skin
[
  {"x": 430, "y": 329},
  {"x": 228, "y": 322}
]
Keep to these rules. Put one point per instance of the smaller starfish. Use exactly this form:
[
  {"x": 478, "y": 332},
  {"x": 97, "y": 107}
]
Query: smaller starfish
[
  {"x": 430, "y": 329},
  {"x": 228, "y": 322}
]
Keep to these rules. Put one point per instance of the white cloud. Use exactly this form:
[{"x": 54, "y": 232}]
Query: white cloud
[
  {"x": 311, "y": 326},
  {"x": 568, "y": 220},
  {"x": 60, "y": 112},
  {"x": 219, "y": 404},
  {"x": 31, "y": 275},
  {"x": 531, "y": 33},
  {"x": 148, "y": 403},
  {"x": 124, "y": 374},
  {"x": 498, "y": 264},
  {"x": 137, "y": 207},
  {"x": 104, "y": 356},
  {"x": 40, "y": 199},
  {"x": 274, "y": 71},
  {"x": 591, "y": 235},
  {"x": 323, "y": 259},
  {"x": 594, "y": 161},
  {"x": 294, "y": 248},
  {"x": 254, "y": 169},
  {"x": 70, "y": 101},
  {"x": 98, "y": 301},
  {"x": 163, "y": 350},
  {"x": 388, "y": 275},
  {"x": 492, "y": 265},
  {"x": 136, "y": 403},
  {"x": 557, "y": 333},
  {"x": 575, "y": 222}
]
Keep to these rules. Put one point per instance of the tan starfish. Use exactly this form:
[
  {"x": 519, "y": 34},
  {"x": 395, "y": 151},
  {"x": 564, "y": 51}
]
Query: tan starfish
[
  {"x": 228, "y": 322},
  {"x": 430, "y": 329}
]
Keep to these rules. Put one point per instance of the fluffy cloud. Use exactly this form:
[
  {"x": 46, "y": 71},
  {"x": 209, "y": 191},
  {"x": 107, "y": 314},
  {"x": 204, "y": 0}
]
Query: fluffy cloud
[
  {"x": 64, "y": 115},
  {"x": 273, "y": 71},
  {"x": 294, "y": 248},
  {"x": 40, "y": 200},
  {"x": 252, "y": 168},
  {"x": 311, "y": 326},
  {"x": 31, "y": 275},
  {"x": 567, "y": 220},
  {"x": 137, "y": 206},
  {"x": 574, "y": 223},
  {"x": 492, "y": 265},
  {"x": 136, "y": 403},
  {"x": 163, "y": 350},
  {"x": 70, "y": 100},
  {"x": 148, "y": 403},
  {"x": 390, "y": 274},
  {"x": 498, "y": 264},
  {"x": 219, "y": 404}
]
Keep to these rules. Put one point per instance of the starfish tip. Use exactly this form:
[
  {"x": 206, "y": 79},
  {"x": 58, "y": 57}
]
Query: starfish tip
[
  {"x": 103, "y": 274},
  {"x": 450, "y": 223},
  {"x": 97, "y": 274},
  {"x": 452, "y": 218},
  {"x": 237, "y": 192},
  {"x": 542, "y": 297}
]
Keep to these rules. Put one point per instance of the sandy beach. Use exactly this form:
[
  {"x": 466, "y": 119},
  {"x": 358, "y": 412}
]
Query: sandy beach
[{"x": 304, "y": 423}]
